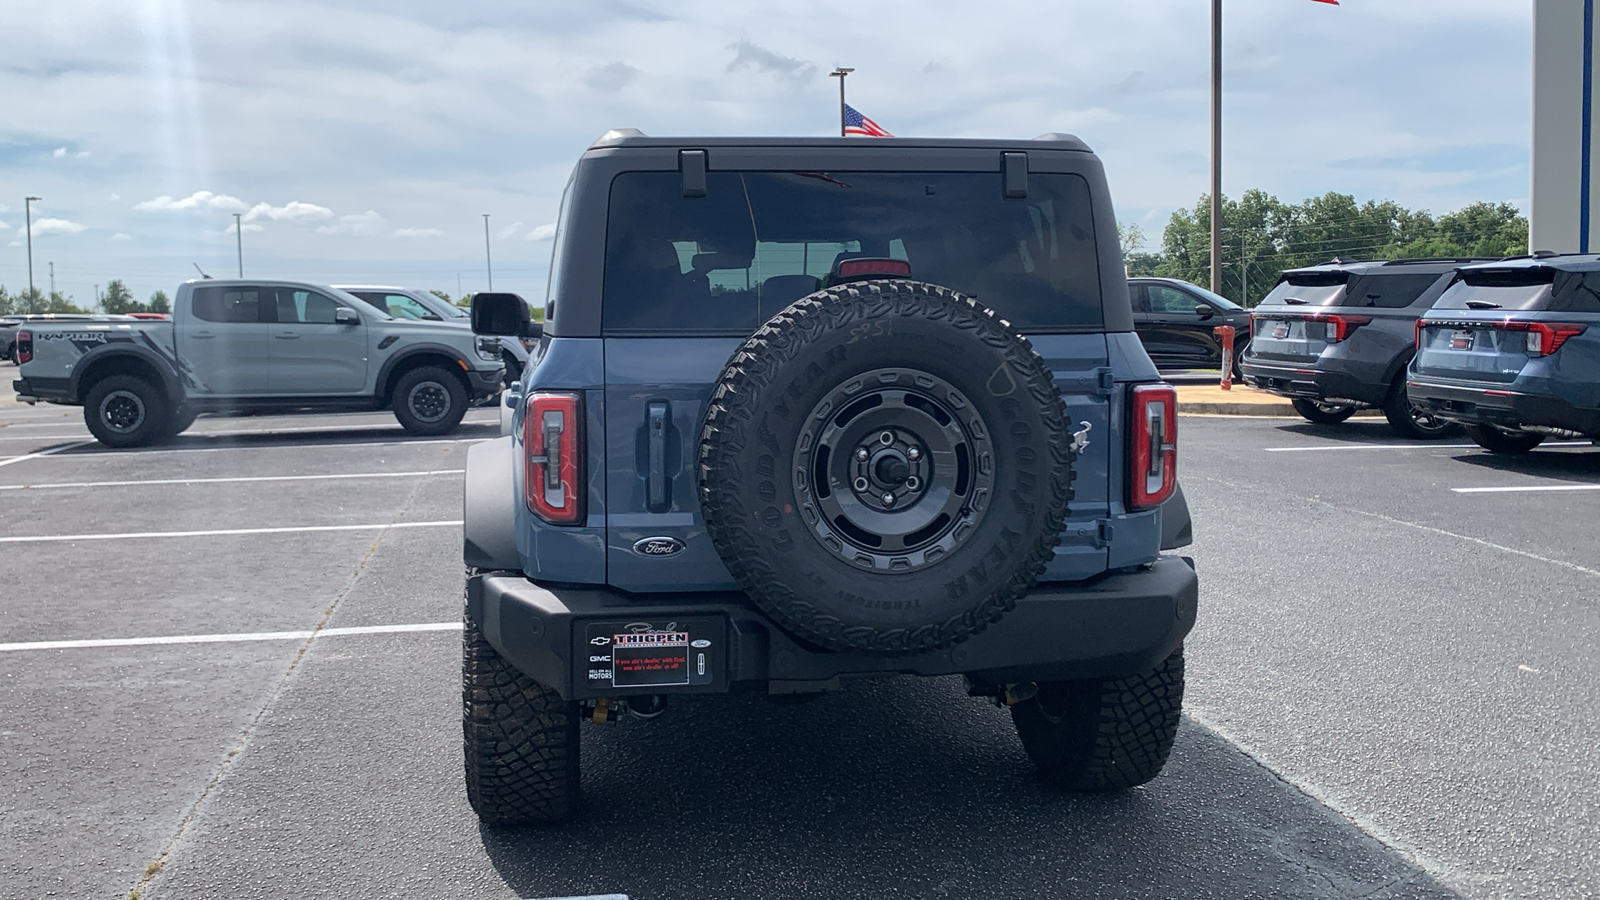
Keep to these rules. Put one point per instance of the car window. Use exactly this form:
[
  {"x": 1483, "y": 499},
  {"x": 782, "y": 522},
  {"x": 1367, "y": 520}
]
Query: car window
[
  {"x": 227, "y": 304},
  {"x": 401, "y": 306},
  {"x": 305, "y": 307},
  {"x": 760, "y": 240},
  {"x": 1137, "y": 299},
  {"x": 1169, "y": 301}
]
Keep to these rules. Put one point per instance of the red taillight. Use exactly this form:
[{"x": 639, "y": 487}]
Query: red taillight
[
  {"x": 1153, "y": 455},
  {"x": 864, "y": 268},
  {"x": 552, "y": 438},
  {"x": 1337, "y": 327},
  {"x": 1416, "y": 339},
  {"x": 1544, "y": 338},
  {"x": 24, "y": 347}
]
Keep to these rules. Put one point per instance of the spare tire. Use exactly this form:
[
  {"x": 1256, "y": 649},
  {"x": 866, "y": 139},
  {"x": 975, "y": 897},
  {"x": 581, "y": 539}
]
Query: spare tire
[{"x": 884, "y": 467}]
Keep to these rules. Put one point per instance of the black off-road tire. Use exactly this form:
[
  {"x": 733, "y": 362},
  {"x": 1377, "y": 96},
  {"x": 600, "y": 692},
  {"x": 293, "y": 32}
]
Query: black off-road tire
[
  {"x": 1321, "y": 413},
  {"x": 181, "y": 420},
  {"x": 519, "y": 738},
  {"x": 127, "y": 411},
  {"x": 1411, "y": 421},
  {"x": 1095, "y": 735},
  {"x": 429, "y": 401},
  {"x": 1507, "y": 443},
  {"x": 817, "y": 368}
]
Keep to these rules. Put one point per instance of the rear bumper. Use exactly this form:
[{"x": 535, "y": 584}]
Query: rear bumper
[
  {"x": 1113, "y": 626},
  {"x": 1312, "y": 384},
  {"x": 1473, "y": 405},
  {"x": 55, "y": 390}
]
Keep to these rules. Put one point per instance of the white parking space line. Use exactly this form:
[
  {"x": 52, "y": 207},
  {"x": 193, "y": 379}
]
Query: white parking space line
[
  {"x": 1528, "y": 489},
  {"x": 1417, "y": 446},
  {"x": 297, "y": 529},
  {"x": 105, "y": 452},
  {"x": 243, "y": 479},
  {"x": 40, "y": 438},
  {"x": 42, "y": 454},
  {"x": 244, "y": 637}
]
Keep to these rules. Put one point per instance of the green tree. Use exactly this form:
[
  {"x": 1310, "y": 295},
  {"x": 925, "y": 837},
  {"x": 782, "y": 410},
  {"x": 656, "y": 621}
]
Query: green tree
[
  {"x": 118, "y": 300},
  {"x": 442, "y": 296},
  {"x": 59, "y": 303},
  {"x": 159, "y": 303},
  {"x": 9, "y": 304}
]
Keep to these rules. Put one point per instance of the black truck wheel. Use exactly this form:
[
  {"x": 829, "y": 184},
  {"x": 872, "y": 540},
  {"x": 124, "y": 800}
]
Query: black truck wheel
[
  {"x": 429, "y": 401},
  {"x": 1321, "y": 413},
  {"x": 1509, "y": 443},
  {"x": 126, "y": 411},
  {"x": 1413, "y": 421},
  {"x": 884, "y": 467},
  {"x": 1103, "y": 735},
  {"x": 519, "y": 738}
]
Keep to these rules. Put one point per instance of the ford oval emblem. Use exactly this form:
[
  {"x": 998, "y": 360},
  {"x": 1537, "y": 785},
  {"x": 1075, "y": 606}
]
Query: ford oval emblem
[{"x": 658, "y": 546}]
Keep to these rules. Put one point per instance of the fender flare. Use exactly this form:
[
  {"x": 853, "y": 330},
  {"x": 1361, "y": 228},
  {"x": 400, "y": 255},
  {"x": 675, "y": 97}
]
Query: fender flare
[
  {"x": 164, "y": 369},
  {"x": 411, "y": 350},
  {"x": 489, "y": 508},
  {"x": 1177, "y": 529}
]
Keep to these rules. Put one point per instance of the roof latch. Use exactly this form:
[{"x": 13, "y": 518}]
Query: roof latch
[{"x": 1014, "y": 169}]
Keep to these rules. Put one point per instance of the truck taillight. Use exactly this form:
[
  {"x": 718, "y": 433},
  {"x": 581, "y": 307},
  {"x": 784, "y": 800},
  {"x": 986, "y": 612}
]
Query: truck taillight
[
  {"x": 1153, "y": 452},
  {"x": 552, "y": 438},
  {"x": 1336, "y": 327},
  {"x": 1543, "y": 338},
  {"x": 24, "y": 347}
]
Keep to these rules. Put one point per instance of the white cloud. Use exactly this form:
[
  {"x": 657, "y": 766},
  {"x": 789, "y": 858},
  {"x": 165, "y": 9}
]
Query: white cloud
[
  {"x": 115, "y": 197},
  {"x": 3, "y": 226},
  {"x": 542, "y": 233},
  {"x": 53, "y": 226},
  {"x": 197, "y": 200},
  {"x": 83, "y": 153},
  {"x": 611, "y": 77},
  {"x": 247, "y": 228},
  {"x": 14, "y": 244},
  {"x": 293, "y": 211},
  {"x": 122, "y": 236},
  {"x": 369, "y": 222},
  {"x": 417, "y": 232},
  {"x": 509, "y": 230},
  {"x": 59, "y": 152}
]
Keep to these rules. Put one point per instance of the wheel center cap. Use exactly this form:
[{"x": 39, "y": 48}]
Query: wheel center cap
[{"x": 892, "y": 470}]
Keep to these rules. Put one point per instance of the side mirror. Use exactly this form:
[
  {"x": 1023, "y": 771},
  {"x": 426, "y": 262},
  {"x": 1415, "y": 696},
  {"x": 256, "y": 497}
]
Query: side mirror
[
  {"x": 532, "y": 331},
  {"x": 344, "y": 316},
  {"x": 500, "y": 314},
  {"x": 1204, "y": 312}
]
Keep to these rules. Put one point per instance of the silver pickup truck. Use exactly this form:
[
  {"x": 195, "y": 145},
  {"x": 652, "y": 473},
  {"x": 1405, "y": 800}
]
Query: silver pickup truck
[{"x": 247, "y": 346}]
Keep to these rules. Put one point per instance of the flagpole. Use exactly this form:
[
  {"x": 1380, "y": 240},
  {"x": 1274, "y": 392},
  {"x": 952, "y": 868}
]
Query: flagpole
[
  {"x": 1216, "y": 146},
  {"x": 839, "y": 73}
]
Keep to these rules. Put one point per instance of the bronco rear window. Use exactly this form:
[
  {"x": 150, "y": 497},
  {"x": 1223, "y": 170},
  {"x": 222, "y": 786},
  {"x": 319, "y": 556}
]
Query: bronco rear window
[{"x": 758, "y": 241}]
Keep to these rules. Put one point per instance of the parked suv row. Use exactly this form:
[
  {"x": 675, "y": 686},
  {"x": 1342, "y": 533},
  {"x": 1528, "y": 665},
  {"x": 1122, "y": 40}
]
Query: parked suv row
[{"x": 1336, "y": 338}]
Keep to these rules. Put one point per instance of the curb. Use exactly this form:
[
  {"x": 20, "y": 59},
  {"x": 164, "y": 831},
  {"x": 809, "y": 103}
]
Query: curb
[{"x": 1202, "y": 408}]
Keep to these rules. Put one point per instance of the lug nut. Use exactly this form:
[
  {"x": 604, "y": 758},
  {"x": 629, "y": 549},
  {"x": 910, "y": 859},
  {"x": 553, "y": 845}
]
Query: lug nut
[
  {"x": 886, "y": 438},
  {"x": 861, "y": 484},
  {"x": 914, "y": 453},
  {"x": 861, "y": 454},
  {"x": 912, "y": 483},
  {"x": 888, "y": 499}
]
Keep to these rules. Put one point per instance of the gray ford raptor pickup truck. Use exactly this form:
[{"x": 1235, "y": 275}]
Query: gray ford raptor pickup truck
[
  {"x": 811, "y": 410},
  {"x": 241, "y": 346}
]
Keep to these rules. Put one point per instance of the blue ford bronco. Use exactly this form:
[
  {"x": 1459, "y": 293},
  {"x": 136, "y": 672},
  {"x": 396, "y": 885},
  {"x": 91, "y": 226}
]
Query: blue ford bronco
[{"x": 817, "y": 409}]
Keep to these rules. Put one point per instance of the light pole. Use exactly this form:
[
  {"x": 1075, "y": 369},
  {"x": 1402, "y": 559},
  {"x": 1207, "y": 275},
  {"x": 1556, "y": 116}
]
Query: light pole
[
  {"x": 27, "y": 211},
  {"x": 1216, "y": 146},
  {"x": 238, "y": 239},
  {"x": 488, "y": 261},
  {"x": 840, "y": 73}
]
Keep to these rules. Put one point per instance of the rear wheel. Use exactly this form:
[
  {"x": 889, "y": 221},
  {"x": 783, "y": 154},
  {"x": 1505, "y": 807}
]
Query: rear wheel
[
  {"x": 519, "y": 739},
  {"x": 1321, "y": 413},
  {"x": 429, "y": 401},
  {"x": 1497, "y": 440},
  {"x": 1413, "y": 421},
  {"x": 126, "y": 411},
  {"x": 1103, "y": 735}
]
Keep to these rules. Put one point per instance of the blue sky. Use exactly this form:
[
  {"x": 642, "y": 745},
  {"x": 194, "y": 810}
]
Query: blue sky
[{"x": 363, "y": 141}]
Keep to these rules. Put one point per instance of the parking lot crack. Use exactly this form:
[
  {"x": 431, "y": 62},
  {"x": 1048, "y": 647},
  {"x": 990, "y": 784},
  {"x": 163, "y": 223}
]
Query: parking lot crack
[{"x": 233, "y": 754}]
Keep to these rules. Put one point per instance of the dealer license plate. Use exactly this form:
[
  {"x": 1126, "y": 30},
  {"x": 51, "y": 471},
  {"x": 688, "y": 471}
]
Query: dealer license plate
[
  {"x": 652, "y": 654},
  {"x": 1280, "y": 330},
  {"x": 1461, "y": 340}
]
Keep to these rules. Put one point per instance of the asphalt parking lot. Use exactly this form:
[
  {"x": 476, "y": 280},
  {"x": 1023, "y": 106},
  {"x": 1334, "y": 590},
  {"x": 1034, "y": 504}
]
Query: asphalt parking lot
[{"x": 230, "y": 668}]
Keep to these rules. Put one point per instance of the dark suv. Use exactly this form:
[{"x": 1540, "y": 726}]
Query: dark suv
[
  {"x": 1336, "y": 338},
  {"x": 818, "y": 409},
  {"x": 1512, "y": 351},
  {"x": 1176, "y": 321}
]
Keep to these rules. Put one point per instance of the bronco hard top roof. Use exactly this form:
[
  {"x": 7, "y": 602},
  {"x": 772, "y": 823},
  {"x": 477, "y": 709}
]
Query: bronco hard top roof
[{"x": 633, "y": 137}]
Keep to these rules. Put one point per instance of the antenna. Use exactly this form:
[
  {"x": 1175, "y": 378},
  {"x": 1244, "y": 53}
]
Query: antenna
[{"x": 202, "y": 272}]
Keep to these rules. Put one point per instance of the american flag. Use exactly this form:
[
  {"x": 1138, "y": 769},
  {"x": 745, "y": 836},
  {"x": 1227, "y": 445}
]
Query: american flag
[{"x": 856, "y": 123}]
